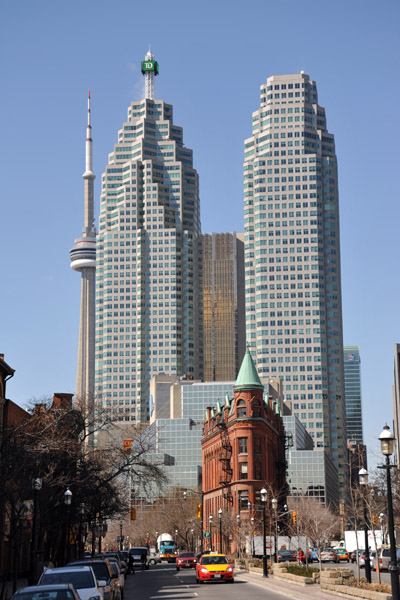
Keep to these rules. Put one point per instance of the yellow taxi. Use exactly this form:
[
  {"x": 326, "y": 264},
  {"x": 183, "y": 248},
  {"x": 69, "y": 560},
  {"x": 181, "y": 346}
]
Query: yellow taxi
[{"x": 214, "y": 567}]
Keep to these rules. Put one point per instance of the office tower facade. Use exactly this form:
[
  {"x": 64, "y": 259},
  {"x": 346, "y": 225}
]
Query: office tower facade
[
  {"x": 224, "y": 341},
  {"x": 147, "y": 261},
  {"x": 352, "y": 386},
  {"x": 292, "y": 257},
  {"x": 396, "y": 402},
  {"x": 83, "y": 260}
]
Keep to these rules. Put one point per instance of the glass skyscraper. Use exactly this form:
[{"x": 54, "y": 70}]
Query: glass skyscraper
[
  {"x": 352, "y": 384},
  {"x": 224, "y": 341},
  {"x": 147, "y": 260},
  {"x": 292, "y": 257}
]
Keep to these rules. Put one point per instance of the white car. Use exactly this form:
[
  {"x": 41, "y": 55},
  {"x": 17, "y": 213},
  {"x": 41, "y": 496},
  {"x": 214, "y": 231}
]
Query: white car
[{"x": 82, "y": 578}]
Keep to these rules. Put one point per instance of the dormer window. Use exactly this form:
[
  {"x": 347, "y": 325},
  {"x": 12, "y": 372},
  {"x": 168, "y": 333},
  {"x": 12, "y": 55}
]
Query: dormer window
[
  {"x": 256, "y": 408},
  {"x": 241, "y": 408}
]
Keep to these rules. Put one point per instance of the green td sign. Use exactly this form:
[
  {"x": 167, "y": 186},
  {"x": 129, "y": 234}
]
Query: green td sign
[{"x": 207, "y": 534}]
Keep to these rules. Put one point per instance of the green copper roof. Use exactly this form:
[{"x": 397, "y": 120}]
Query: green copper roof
[{"x": 248, "y": 376}]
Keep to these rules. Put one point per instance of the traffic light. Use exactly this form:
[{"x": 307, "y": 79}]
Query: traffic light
[
  {"x": 133, "y": 514},
  {"x": 373, "y": 520},
  {"x": 199, "y": 511},
  {"x": 294, "y": 515}
]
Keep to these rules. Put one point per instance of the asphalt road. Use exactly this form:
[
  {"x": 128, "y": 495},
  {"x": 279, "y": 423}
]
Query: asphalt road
[{"x": 164, "y": 582}]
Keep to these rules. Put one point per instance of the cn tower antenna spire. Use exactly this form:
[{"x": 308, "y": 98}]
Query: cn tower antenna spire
[
  {"x": 83, "y": 260},
  {"x": 149, "y": 70}
]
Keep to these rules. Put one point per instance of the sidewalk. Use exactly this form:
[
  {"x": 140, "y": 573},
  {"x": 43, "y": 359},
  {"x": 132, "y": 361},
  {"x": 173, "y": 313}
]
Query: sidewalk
[{"x": 290, "y": 590}]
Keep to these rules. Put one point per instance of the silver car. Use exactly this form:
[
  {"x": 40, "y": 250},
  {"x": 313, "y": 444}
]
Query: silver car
[{"x": 82, "y": 578}]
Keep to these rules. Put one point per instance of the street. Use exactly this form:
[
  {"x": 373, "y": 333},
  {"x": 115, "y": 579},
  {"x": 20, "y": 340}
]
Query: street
[{"x": 165, "y": 582}]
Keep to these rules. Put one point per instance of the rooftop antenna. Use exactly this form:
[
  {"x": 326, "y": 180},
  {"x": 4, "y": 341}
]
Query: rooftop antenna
[{"x": 149, "y": 70}]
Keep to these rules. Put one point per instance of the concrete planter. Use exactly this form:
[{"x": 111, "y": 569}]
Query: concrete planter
[
  {"x": 280, "y": 572},
  {"x": 335, "y": 581}
]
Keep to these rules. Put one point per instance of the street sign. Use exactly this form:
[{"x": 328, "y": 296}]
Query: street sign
[{"x": 207, "y": 534}]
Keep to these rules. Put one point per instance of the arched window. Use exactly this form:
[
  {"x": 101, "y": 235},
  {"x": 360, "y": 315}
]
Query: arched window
[
  {"x": 241, "y": 408},
  {"x": 256, "y": 408}
]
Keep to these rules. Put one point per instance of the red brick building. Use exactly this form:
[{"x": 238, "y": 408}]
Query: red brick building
[{"x": 243, "y": 450}]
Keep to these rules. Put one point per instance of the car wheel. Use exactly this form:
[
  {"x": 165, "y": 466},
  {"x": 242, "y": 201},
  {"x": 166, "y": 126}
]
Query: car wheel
[
  {"x": 152, "y": 562},
  {"x": 197, "y": 580},
  {"x": 177, "y": 568},
  {"x": 147, "y": 567}
]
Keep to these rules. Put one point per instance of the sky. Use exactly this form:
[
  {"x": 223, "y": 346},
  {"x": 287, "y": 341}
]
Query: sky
[{"x": 213, "y": 57}]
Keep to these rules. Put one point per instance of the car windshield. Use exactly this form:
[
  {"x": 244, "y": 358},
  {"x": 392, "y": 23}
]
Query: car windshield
[
  {"x": 80, "y": 580},
  {"x": 47, "y": 595},
  {"x": 281, "y": 552},
  {"x": 138, "y": 551},
  {"x": 186, "y": 555},
  {"x": 214, "y": 560}
]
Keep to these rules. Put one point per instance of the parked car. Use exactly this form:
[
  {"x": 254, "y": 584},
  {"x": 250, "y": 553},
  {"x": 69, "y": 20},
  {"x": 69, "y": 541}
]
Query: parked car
[
  {"x": 314, "y": 554},
  {"x": 214, "y": 567},
  {"x": 116, "y": 554},
  {"x": 121, "y": 578},
  {"x": 104, "y": 575},
  {"x": 384, "y": 558},
  {"x": 329, "y": 555},
  {"x": 185, "y": 560},
  {"x": 342, "y": 554},
  {"x": 82, "y": 578},
  {"x": 287, "y": 556},
  {"x": 154, "y": 559},
  {"x": 137, "y": 553},
  {"x": 60, "y": 591}
]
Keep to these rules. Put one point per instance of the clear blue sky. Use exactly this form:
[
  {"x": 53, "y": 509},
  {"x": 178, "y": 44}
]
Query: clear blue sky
[{"x": 213, "y": 56}]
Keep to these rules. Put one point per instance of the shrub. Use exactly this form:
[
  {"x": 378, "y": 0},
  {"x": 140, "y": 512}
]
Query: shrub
[{"x": 302, "y": 571}]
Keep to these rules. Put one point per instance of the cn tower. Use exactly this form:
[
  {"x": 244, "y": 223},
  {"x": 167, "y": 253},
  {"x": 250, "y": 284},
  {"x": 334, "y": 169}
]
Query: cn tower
[{"x": 83, "y": 259}]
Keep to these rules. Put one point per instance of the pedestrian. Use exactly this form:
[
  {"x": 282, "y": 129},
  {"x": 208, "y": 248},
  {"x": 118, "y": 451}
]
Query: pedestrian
[
  {"x": 130, "y": 564},
  {"x": 301, "y": 557},
  {"x": 143, "y": 560}
]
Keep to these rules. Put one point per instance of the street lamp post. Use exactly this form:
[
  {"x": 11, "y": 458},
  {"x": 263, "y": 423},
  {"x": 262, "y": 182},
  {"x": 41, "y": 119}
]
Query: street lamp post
[
  {"x": 82, "y": 508},
  {"x": 192, "y": 532},
  {"x": 67, "y": 502},
  {"x": 176, "y": 537},
  {"x": 148, "y": 540},
  {"x": 264, "y": 502},
  {"x": 363, "y": 478},
  {"x": 121, "y": 539},
  {"x": 36, "y": 486},
  {"x": 220, "y": 529},
  {"x": 274, "y": 503},
  {"x": 201, "y": 514},
  {"x": 238, "y": 530},
  {"x": 252, "y": 535},
  {"x": 210, "y": 518},
  {"x": 387, "y": 438}
]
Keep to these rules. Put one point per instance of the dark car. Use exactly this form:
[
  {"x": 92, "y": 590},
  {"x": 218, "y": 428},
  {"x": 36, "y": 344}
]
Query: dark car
[
  {"x": 140, "y": 556},
  {"x": 353, "y": 555},
  {"x": 103, "y": 572},
  {"x": 60, "y": 591},
  {"x": 287, "y": 556},
  {"x": 186, "y": 560}
]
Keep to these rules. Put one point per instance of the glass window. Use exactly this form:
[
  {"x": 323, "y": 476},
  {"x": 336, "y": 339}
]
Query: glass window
[
  {"x": 256, "y": 408},
  {"x": 241, "y": 408},
  {"x": 242, "y": 445},
  {"x": 257, "y": 471},
  {"x": 243, "y": 471}
]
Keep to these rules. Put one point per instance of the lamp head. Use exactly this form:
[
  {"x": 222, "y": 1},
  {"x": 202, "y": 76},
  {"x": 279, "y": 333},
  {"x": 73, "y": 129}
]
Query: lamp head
[
  {"x": 220, "y": 513},
  {"x": 67, "y": 497},
  {"x": 210, "y": 518},
  {"x": 184, "y": 495},
  {"x": 363, "y": 476},
  {"x": 274, "y": 503},
  {"x": 386, "y": 438},
  {"x": 263, "y": 495}
]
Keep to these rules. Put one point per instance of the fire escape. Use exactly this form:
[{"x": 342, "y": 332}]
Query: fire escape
[{"x": 225, "y": 460}]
